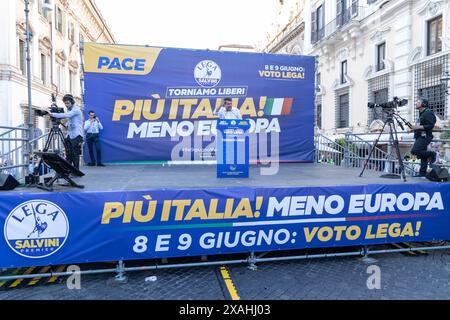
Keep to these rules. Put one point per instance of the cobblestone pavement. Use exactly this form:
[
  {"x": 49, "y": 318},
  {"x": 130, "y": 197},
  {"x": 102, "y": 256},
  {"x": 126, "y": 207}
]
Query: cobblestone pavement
[{"x": 402, "y": 277}]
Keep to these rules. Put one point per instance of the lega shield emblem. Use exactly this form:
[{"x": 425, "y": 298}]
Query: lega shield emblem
[
  {"x": 36, "y": 229},
  {"x": 207, "y": 73}
]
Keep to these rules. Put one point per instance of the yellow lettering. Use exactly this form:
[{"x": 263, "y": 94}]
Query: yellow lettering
[
  {"x": 229, "y": 209},
  {"x": 187, "y": 103},
  {"x": 369, "y": 234},
  {"x": 394, "y": 230},
  {"x": 137, "y": 114},
  {"x": 325, "y": 230},
  {"x": 166, "y": 210},
  {"x": 243, "y": 209},
  {"x": 158, "y": 112},
  {"x": 128, "y": 211},
  {"x": 137, "y": 212},
  {"x": 174, "y": 109},
  {"x": 180, "y": 204},
  {"x": 248, "y": 108},
  {"x": 309, "y": 235},
  {"x": 408, "y": 230},
  {"x": 111, "y": 210},
  {"x": 213, "y": 214},
  {"x": 339, "y": 230},
  {"x": 122, "y": 108},
  {"x": 356, "y": 232},
  {"x": 382, "y": 230},
  {"x": 203, "y": 110},
  {"x": 197, "y": 210}
]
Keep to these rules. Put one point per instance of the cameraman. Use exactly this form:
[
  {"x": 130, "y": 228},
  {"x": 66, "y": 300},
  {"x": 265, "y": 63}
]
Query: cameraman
[
  {"x": 423, "y": 136},
  {"x": 75, "y": 129}
]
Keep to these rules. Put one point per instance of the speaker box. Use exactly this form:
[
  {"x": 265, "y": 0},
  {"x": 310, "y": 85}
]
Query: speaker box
[
  {"x": 7, "y": 182},
  {"x": 439, "y": 174}
]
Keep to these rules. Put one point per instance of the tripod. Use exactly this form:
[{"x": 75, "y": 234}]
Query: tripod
[
  {"x": 391, "y": 116},
  {"x": 55, "y": 134}
]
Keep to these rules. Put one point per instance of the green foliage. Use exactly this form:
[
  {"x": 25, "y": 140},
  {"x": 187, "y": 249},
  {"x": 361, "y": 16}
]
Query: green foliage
[
  {"x": 445, "y": 135},
  {"x": 340, "y": 141}
]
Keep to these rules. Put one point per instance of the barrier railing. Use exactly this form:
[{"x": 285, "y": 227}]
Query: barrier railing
[
  {"x": 328, "y": 151},
  {"x": 354, "y": 151},
  {"x": 14, "y": 158}
]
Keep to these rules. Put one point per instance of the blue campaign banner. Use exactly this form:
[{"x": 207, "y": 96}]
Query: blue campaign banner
[
  {"x": 158, "y": 103},
  {"x": 232, "y": 148},
  {"x": 67, "y": 228}
]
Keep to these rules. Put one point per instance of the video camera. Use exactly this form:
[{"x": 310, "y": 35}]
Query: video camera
[
  {"x": 396, "y": 102},
  {"x": 52, "y": 109}
]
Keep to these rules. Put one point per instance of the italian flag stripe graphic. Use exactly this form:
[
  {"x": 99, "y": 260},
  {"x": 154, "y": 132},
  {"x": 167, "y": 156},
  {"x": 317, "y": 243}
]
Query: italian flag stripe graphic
[
  {"x": 287, "y": 106},
  {"x": 278, "y": 106},
  {"x": 269, "y": 105}
]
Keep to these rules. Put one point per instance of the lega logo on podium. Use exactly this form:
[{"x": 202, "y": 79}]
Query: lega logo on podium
[{"x": 36, "y": 229}]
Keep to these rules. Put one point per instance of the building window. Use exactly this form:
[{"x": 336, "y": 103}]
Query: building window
[
  {"x": 342, "y": 111},
  {"x": 319, "y": 115},
  {"x": 22, "y": 57},
  {"x": 71, "y": 33},
  {"x": 317, "y": 24},
  {"x": 72, "y": 82},
  {"x": 436, "y": 98},
  {"x": 320, "y": 21},
  {"x": 44, "y": 77},
  {"x": 60, "y": 78},
  {"x": 381, "y": 56},
  {"x": 434, "y": 36},
  {"x": 42, "y": 12},
  {"x": 341, "y": 12},
  {"x": 378, "y": 92},
  {"x": 428, "y": 84},
  {"x": 59, "y": 20},
  {"x": 380, "y": 96},
  {"x": 343, "y": 72}
]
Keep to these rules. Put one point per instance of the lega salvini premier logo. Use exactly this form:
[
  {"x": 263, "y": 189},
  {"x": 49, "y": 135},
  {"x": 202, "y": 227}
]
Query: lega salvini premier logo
[
  {"x": 207, "y": 73},
  {"x": 36, "y": 229}
]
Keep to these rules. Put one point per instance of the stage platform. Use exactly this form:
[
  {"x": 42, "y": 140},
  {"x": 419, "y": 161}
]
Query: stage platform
[
  {"x": 149, "y": 176},
  {"x": 135, "y": 212}
]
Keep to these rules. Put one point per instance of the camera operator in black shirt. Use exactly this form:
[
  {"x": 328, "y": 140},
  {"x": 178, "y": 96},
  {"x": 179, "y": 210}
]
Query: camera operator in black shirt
[{"x": 423, "y": 135}]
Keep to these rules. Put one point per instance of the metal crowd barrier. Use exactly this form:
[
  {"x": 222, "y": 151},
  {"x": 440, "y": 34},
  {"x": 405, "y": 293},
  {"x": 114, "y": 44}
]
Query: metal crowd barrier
[
  {"x": 353, "y": 151},
  {"x": 13, "y": 155}
]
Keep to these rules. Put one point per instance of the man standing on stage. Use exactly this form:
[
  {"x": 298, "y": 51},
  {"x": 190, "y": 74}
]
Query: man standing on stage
[
  {"x": 227, "y": 111},
  {"x": 423, "y": 136},
  {"x": 93, "y": 127},
  {"x": 75, "y": 129}
]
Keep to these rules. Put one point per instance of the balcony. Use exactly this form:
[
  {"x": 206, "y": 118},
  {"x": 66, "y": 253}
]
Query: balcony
[{"x": 352, "y": 14}]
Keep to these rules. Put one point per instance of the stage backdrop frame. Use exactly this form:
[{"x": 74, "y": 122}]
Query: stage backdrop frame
[{"x": 156, "y": 104}]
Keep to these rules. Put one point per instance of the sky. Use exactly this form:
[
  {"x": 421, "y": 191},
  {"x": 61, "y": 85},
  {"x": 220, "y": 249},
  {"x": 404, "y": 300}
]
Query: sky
[{"x": 197, "y": 24}]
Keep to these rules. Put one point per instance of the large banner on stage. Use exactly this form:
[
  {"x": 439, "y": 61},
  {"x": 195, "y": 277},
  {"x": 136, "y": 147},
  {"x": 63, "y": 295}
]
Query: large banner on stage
[
  {"x": 67, "y": 228},
  {"x": 158, "y": 103}
]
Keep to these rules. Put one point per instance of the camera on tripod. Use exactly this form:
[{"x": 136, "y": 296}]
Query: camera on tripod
[
  {"x": 396, "y": 102},
  {"x": 52, "y": 109}
]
